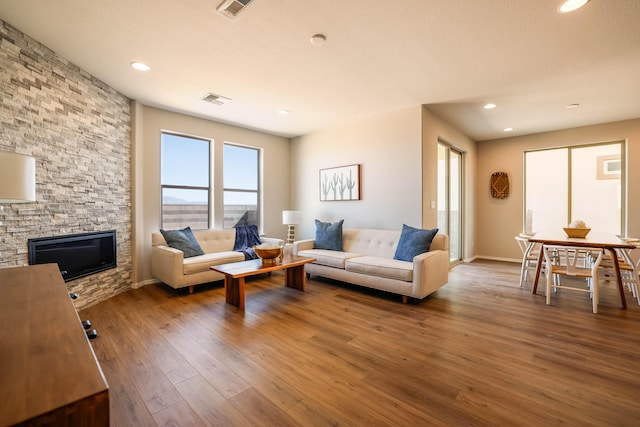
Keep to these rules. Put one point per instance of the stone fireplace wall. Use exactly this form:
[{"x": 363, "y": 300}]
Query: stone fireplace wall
[{"x": 78, "y": 130}]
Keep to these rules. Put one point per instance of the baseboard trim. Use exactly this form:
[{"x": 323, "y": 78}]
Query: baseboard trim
[
  {"x": 495, "y": 258},
  {"x": 145, "y": 283}
]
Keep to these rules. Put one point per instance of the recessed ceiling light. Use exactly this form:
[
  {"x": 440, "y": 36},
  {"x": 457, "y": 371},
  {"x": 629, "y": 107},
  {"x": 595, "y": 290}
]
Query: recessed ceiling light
[
  {"x": 571, "y": 5},
  {"x": 508, "y": 129},
  {"x": 490, "y": 106},
  {"x": 318, "y": 39},
  {"x": 283, "y": 112},
  {"x": 572, "y": 106},
  {"x": 140, "y": 66}
]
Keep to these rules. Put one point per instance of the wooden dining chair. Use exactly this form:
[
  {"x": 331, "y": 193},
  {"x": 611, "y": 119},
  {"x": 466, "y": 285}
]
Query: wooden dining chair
[{"x": 570, "y": 262}]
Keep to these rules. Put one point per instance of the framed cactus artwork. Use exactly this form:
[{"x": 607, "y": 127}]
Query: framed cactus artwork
[{"x": 340, "y": 183}]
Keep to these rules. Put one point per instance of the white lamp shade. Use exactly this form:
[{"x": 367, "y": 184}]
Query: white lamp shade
[
  {"x": 291, "y": 217},
  {"x": 17, "y": 178}
]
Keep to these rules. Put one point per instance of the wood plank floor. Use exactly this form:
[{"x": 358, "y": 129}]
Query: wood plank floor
[{"x": 480, "y": 351}]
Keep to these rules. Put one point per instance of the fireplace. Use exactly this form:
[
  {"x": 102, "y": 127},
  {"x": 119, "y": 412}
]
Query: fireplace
[{"x": 77, "y": 255}]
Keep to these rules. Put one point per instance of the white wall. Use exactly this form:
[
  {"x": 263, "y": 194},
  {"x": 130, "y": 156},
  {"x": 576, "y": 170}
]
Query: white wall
[
  {"x": 387, "y": 147},
  {"x": 148, "y": 123}
]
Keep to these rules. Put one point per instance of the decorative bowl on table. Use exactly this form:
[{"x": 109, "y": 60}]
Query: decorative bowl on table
[
  {"x": 268, "y": 253},
  {"x": 578, "y": 233}
]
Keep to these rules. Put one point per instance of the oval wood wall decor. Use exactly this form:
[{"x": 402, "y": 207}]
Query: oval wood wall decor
[{"x": 499, "y": 185}]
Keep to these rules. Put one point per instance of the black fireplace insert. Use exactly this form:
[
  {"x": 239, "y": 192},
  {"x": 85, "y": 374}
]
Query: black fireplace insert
[{"x": 77, "y": 255}]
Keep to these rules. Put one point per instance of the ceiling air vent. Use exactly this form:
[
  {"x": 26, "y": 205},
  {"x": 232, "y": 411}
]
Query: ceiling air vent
[
  {"x": 232, "y": 8},
  {"x": 216, "y": 99}
]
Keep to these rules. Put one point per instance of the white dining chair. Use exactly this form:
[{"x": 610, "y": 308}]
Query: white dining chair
[
  {"x": 628, "y": 271},
  {"x": 570, "y": 262},
  {"x": 530, "y": 253}
]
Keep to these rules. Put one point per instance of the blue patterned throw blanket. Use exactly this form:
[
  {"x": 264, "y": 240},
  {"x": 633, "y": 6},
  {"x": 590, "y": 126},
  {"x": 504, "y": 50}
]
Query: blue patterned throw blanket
[{"x": 247, "y": 237}]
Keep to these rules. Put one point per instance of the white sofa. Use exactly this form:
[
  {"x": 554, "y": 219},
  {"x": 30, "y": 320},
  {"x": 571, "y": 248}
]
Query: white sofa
[
  {"x": 169, "y": 265},
  {"x": 367, "y": 260}
]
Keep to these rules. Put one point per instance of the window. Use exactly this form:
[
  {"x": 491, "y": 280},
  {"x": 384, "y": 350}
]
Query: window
[
  {"x": 241, "y": 186},
  {"x": 575, "y": 183},
  {"x": 185, "y": 182},
  {"x": 609, "y": 167}
]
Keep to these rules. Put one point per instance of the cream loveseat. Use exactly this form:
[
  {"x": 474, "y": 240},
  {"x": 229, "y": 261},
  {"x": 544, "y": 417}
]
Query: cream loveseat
[
  {"x": 171, "y": 267},
  {"x": 367, "y": 259}
]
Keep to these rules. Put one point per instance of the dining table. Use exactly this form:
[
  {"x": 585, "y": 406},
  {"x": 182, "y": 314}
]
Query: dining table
[{"x": 596, "y": 240}]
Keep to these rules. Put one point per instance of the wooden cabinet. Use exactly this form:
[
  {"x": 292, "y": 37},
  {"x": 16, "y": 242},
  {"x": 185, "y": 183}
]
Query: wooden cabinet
[{"x": 49, "y": 374}]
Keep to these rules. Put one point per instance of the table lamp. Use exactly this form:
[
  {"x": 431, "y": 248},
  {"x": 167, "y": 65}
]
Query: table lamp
[
  {"x": 17, "y": 178},
  {"x": 290, "y": 219}
]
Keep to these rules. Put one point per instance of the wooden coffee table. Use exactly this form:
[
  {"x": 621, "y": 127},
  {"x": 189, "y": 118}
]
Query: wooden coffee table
[{"x": 234, "y": 274}]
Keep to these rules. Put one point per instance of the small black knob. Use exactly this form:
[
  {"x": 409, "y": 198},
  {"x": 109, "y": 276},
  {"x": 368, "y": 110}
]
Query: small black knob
[
  {"x": 92, "y": 334},
  {"x": 86, "y": 324},
  {"x": 73, "y": 295}
]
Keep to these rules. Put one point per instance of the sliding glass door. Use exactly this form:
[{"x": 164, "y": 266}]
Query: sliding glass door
[{"x": 450, "y": 198}]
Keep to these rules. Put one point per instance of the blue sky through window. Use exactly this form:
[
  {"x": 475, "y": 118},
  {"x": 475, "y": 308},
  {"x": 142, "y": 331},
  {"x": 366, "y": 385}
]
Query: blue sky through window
[
  {"x": 185, "y": 162},
  {"x": 240, "y": 168},
  {"x": 240, "y": 173}
]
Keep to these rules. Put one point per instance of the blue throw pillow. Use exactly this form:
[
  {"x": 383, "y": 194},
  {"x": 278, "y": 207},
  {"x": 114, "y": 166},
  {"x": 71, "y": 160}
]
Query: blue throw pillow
[
  {"x": 413, "y": 241},
  {"x": 329, "y": 236},
  {"x": 183, "y": 240}
]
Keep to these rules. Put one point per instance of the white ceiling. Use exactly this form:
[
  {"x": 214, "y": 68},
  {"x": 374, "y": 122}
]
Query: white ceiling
[{"x": 380, "y": 56}]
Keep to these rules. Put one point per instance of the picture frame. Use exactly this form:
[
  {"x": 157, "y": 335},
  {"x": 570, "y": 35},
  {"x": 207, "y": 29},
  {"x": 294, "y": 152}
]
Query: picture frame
[{"x": 340, "y": 183}]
